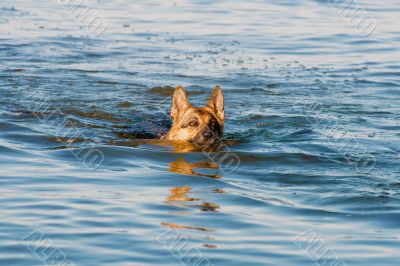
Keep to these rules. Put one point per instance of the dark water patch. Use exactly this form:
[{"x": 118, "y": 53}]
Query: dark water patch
[
  {"x": 163, "y": 91},
  {"x": 71, "y": 122},
  {"x": 125, "y": 105},
  {"x": 93, "y": 114},
  {"x": 9, "y": 9}
]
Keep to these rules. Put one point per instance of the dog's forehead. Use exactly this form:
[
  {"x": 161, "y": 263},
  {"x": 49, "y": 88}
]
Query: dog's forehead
[{"x": 201, "y": 113}]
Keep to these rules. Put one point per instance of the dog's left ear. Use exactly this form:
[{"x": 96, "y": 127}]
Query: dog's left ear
[
  {"x": 180, "y": 103},
  {"x": 216, "y": 102}
]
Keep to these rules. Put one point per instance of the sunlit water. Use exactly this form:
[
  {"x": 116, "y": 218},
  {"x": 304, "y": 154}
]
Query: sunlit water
[{"x": 312, "y": 115}]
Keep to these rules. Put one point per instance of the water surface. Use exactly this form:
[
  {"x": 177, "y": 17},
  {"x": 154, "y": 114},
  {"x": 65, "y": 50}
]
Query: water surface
[{"x": 312, "y": 115}]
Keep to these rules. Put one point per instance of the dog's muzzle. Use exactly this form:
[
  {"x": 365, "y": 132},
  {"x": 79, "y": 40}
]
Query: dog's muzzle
[{"x": 205, "y": 138}]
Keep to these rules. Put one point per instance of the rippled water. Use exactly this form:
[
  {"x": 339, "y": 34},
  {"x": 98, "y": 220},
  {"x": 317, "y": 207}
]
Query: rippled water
[{"x": 312, "y": 114}]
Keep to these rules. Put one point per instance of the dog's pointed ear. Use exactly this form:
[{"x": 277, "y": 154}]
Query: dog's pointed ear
[
  {"x": 216, "y": 102},
  {"x": 180, "y": 102}
]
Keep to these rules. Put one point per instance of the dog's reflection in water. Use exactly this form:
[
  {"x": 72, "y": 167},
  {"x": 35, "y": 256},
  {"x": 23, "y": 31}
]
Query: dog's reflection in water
[
  {"x": 182, "y": 167},
  {"x": 181, "y": 197}
]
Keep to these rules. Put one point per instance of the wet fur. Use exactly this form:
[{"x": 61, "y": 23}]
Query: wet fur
[{"x": 203, "y": 126}]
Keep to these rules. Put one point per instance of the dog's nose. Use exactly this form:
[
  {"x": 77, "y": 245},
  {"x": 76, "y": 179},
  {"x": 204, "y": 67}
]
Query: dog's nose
[{"x": 207, "y": 134}]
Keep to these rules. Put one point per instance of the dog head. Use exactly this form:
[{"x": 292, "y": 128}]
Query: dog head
[{"x": 202, "y": 126}]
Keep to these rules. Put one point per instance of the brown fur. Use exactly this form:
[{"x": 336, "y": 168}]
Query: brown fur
[{"x": 202, "y": 126}]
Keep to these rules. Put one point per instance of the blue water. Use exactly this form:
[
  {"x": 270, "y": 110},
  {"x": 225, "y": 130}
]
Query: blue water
[{"x": 312, "y": 121}]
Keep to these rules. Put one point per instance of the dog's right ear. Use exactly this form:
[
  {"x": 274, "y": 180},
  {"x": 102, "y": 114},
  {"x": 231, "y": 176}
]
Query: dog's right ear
[
  {"x": 216, "y": 102},
  {"x": 180, "y": 103}
]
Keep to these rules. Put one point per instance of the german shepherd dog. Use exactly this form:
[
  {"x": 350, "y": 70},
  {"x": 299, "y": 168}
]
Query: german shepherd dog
[{"x": 201, "y": 126}]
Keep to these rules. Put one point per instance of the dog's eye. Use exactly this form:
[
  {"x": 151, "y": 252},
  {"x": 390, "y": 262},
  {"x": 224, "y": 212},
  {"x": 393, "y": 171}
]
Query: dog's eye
[
  {"x": 212, "y": 123},
  {"x": 194, "y": 123}
]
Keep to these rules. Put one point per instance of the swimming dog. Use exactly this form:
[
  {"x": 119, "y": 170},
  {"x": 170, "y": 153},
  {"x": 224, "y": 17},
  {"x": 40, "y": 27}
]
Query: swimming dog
[{"x": 202, "y": 126}]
